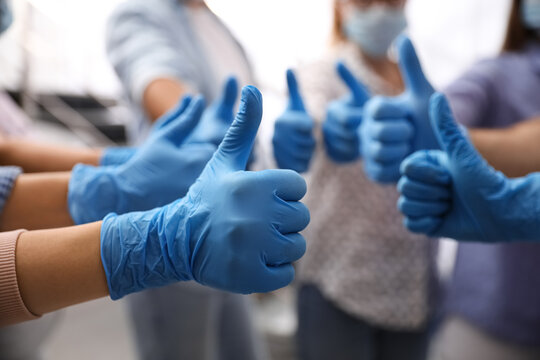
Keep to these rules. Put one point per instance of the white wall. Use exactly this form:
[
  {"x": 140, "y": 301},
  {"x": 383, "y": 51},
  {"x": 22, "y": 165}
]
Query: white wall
[{"x": 68, "y": 41}]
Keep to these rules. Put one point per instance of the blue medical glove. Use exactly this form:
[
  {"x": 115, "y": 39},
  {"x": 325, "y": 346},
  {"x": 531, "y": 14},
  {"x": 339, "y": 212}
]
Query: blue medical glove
[
  {"x": 114, "y": 156},
  {"x": 456, "y": 194},
  {"x": 160, "y": 171},
  {"x": 234, "y": 230},
  {"x": 394, "y": 127},
  {"x": 293, "y": 132},
  {"x": 217, "y": 119},
  {"x": 343, "y": 117}
]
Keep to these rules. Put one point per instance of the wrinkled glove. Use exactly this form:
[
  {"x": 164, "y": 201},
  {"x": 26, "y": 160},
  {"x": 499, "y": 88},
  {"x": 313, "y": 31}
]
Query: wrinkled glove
[
  {"x": 394, "y": 127},
  {"x": 114, "y": 156},
  {"x": 218, "y": 117},
  {"x": 455, "y": 193},
  {"x": 159, "y": 172},
  {"x": 343, "y": 117},
  {"x": 234, "y": 230},
  {"x": 293, "y": 132}
]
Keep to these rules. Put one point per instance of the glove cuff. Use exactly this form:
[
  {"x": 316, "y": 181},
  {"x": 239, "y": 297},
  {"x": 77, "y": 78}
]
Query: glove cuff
[
  {"x": 145, "y": 250},
  {"x": 92, "y": 193},
  {"x": 114, "y": 156}
]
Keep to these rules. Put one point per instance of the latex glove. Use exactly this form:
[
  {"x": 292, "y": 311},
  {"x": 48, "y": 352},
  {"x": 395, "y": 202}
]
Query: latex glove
[
  {"x": 160, "y": 171},
  {"x": 394, "y": 127},
  {"x": 456, "y": 194},
  {"x": 218, "y": 117},
  {"x": 293, "y": 132},
  {"x": 235, "y": 230},
  {"x": 343, "y": 117},
  {"x": 114, "y": 156}
]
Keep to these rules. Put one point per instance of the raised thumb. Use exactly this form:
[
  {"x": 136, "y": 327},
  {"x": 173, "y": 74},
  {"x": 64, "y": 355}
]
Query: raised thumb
[
  {"x": 179, "y": 128},
  {"x": 411, "y": 69},
  {"x": 228, "y": 98},
  {"x": 462, "y": 156},
  {"x": 295, "y": 99},
  {"x": 233, "y": 152},
  {"x": 359, "y": 92}
]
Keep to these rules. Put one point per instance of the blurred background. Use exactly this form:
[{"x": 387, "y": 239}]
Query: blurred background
[{"x": 53, "y": 61}]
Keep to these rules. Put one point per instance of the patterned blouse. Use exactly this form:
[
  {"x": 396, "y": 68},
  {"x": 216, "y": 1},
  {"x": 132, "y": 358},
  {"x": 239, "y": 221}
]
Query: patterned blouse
[{"x": 359, "y": 254}]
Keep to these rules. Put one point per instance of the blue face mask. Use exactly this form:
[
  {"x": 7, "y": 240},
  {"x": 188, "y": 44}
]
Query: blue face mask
[
  {"x": 6, "y": 17},
  {"x": 530, "y": 14},
  {"x": 375, "y": 28}
]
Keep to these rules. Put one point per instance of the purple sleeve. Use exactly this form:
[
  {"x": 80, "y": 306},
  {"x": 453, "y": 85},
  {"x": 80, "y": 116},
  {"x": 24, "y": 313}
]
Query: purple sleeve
[{"x": 470, "y": 97}]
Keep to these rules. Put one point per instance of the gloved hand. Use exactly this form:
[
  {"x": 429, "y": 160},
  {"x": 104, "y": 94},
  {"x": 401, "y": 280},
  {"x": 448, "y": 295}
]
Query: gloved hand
[
  {"x": 114, "y": 156},
  {"x": 343, "y": 117},
  {"x": 293, "y": 132},
  {"x": 160, "y": 171},
  {"x": 234, "y": 230},
  {"x": 218, "y": 117},
  {"x": 456, "y": 194},
  {"x": 394, "y": 127}
]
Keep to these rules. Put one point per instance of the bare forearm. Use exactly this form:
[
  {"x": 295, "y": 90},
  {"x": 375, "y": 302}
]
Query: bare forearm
[
  {"x": 161, "y": 96},
  {"x": 515, "y": 151},
  {"x": 60, "y": 267},
  {"x": 35, "y": 157},
  {"x": 38, "y": 201}
]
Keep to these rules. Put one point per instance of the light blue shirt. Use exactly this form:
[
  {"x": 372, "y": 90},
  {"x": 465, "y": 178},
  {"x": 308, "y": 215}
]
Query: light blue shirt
[
  {"x": 8, "y": 175},
  {"x": 154, "y": 39}
]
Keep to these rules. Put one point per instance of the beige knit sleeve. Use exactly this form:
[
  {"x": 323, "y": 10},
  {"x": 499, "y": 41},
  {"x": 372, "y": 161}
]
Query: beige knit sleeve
[{"x": 12, "y": 308}]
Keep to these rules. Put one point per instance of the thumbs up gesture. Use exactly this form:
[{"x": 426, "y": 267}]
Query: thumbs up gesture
[
  {"x": 455, "y": 193},
  {"x": 160, "y": 171},
  {"x": 394, "y": 127},
  {"x": 217, "y": 118},
  {"x": 343, "y": 117},
  {"x": 293, "y": 132},
  {"x": 234, "y": 230}
]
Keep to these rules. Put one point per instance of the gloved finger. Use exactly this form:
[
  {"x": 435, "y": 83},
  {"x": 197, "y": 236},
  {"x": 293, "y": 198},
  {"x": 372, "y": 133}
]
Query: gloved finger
[
  {"x": 425, "y": 166},
  {"x": 276, "y": 277},
  {"x": 353, "y": 119},
  {"x": 286, "y": 134},
  {"x": 381, "y": 107},
  {"x": 343, "y": 150},
  {"x": 386, "y": 153},
  {"x": 296, "y": 121},
  {"x": 172, "y": 114},
  {"x": 336, "y": 132},
  {"x": 286, "y": 184},
  {"x": 234, "y": 151},
  {"x": 225, "y": 103},
  {"x": 290, "y": 216},
  {"x": 343, "y": 116},
  {"x": 382, "y": 173},
  {"x": 411, "y": 69},
  {"x": 423, "y": 225},
  {"x": 419, "y": 208},
  {"x": 293, "y": 154},
  {"x": 285, "y": 249},
  {"x": 298, "y": 166},
  {"x": 387, "y": 131},
  {"x": 295, "y": 99},
  {"x": 416, "y": 190},
  {"x": 360, "y": 94},
  {"x": 180, "y": 128}
]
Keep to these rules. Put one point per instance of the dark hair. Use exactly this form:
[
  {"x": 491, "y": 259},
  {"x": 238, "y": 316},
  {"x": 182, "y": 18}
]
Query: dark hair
[{"x": 517, "y": 34}]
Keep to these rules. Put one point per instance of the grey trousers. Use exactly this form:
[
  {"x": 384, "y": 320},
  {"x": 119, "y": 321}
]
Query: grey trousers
[
  {"x": 189, "y": 321},
  {"x": 24, "y": 341},
  {"x": 457, "y": 339}
]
